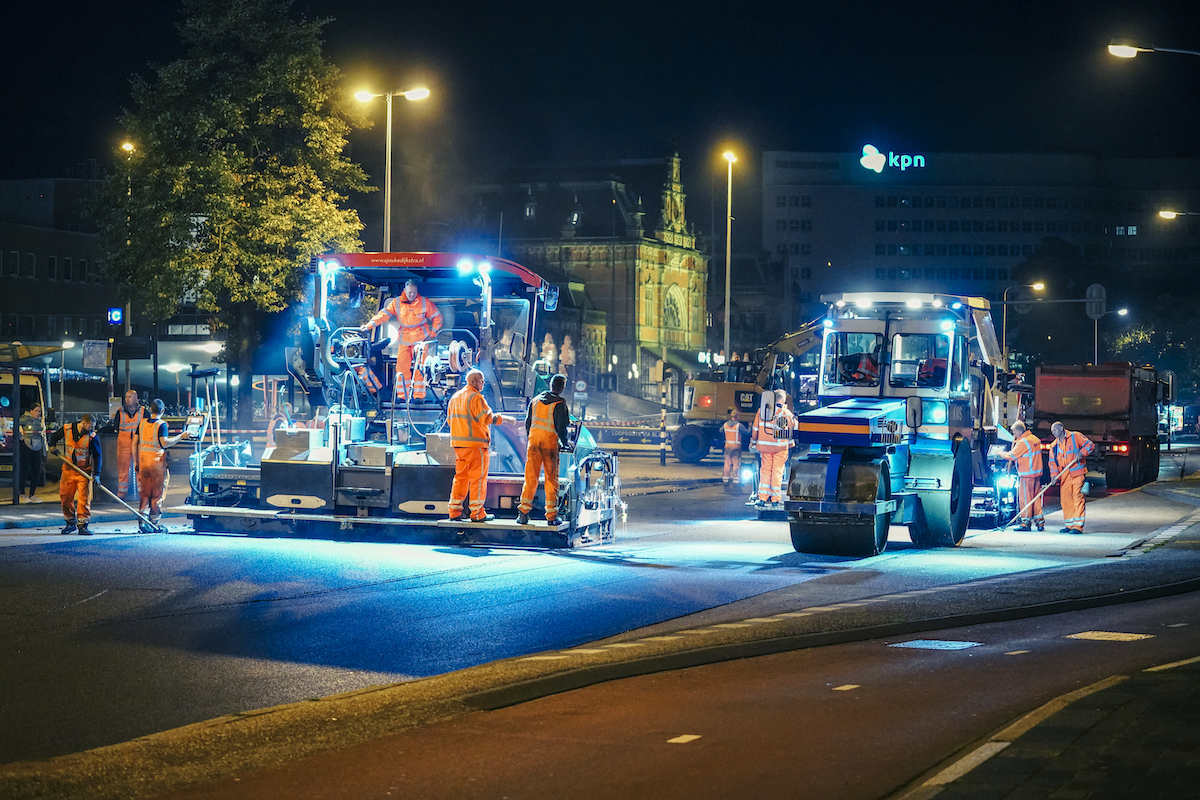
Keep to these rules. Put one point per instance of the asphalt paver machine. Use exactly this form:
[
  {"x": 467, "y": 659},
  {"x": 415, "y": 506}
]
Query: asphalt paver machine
[{"x": 374, "y": 465}]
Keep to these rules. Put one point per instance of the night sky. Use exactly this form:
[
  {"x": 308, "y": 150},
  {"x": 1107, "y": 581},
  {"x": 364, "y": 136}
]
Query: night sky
[{"x": 519, "y": 83}]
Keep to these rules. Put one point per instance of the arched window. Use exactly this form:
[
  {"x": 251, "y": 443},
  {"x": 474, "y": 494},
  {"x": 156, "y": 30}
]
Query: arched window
[{"x": 674, "y": 309}]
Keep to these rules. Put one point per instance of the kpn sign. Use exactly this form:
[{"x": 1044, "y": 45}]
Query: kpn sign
[{"x": 875, "y": 160}]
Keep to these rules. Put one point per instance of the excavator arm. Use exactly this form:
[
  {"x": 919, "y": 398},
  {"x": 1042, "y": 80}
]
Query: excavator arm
[{"x": 794, "y": 344}]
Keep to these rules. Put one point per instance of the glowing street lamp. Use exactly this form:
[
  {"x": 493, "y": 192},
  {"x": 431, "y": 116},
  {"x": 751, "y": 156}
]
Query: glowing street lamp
[
  {"x": 1125, "y": 48},
  {"x": 365, "y": 96},
  {"x": 1169, "y": 214},
  {"x": 1120, "y": 312},
  {"x": 1037, "y": 287},
  {"x": 730, "y": 157}
]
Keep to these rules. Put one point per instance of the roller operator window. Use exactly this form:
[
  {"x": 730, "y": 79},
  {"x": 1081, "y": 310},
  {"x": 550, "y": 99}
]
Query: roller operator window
[
  {"x": 920, "y": 360},
  {"x": 852, "y": 359}
]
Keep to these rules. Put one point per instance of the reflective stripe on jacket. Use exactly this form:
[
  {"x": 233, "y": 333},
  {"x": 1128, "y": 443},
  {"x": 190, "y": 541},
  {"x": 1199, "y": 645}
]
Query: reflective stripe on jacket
[
  {"x": 1076, "y": 447},
  {"x": 150, "y": 449},
  {"x": 78, "y": 450},
  {"x": 774, "y": 435},
  {"x": 1028, "y": 452},
  {"x": 541, "y": 426},
  {"x": 470, "y": 417},
  {"x": 733, "y": 435},
  {"x": 128, "y": 424},
  {"x": 417, "y": 320}
]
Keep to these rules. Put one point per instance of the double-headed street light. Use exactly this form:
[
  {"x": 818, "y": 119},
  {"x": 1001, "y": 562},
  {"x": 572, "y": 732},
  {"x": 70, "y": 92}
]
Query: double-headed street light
[
  {"x": 1037, "y": 287},
  {"x": 1125, "y": 48},
  {"x": 365, "y": 96},
  {"x": 730, "y": 157}
]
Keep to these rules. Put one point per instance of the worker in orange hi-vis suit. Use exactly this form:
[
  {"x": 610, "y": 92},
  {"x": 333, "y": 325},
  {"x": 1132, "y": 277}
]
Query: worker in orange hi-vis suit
[
  {"x": 1068, "y": 457},
  {"x": 771, "y": 435},
  {"x": 1027, "y": 452},
  {"x": 74, "y": 488},
  {"x": 418, "y": 318},
  {"x": 732, "y": 430},
  {"x": 153, "y": 477},
  {"x": 129, "y": 417},
  {"x": 470, "y": 435},
  {"x": 546, "y": 424}
]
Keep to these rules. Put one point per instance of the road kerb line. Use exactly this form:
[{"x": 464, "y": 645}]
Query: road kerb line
[{"x": 1172, "y": 665}]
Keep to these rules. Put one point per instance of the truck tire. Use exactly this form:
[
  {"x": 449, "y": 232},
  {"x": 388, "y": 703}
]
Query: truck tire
[
  {"x": 1118, "y": 472},
  {"x": 942, "y": 516},
  {"x": 690, "y": 444}
]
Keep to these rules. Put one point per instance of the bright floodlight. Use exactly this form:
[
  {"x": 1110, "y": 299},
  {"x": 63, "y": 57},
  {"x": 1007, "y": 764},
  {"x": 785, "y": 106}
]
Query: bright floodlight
[
  {"x": 1124, "y": 50},
  {"x": 127, "y": 147},
  {"x": 1037, "y": 287},
  {"x": 416, "y": 94},
  {"x": 465, "y": 267},
  {"x": 1122, "y": 312},
  {"x": 364, "y": 96},
  {"x": 1165, "y": 214},
  {"x": 68, "y": 344}
]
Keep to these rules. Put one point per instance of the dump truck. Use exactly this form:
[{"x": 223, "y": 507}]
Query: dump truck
[
  {"x": 376, "y": 463},
  {"x": 738, "y": 384},
  {"x": 1116, "y": 405},
  {"x": 908, "y": 430}
]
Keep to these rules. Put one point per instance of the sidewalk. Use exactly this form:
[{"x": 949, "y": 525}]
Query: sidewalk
[
  {"x": 1135, "y": 737},
  {"x": 48, "y": 512}
]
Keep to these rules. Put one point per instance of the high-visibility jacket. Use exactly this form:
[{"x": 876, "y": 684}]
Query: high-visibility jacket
[
  {"x": 1074, "y": 447},
  {"x": 774, "y": 435},
  {"x": 541, "y": 424},
  {"x": 418, "y": 320},
  {"x": 128, "y": 425},
  {"x": 368, "y": 377},
  {"x": 150, "y": 449},
  {"x": 867, "y": 369},
  {"x": 1027, "y": 451},
  {"x": 733, "y": 435},
  {"x": 79, "y": 447},
  {"x": 470, "y": 418}
]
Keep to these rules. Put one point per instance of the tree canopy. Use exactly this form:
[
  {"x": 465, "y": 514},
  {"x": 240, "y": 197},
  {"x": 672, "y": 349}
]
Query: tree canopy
[{"x": 237, "y": 176}]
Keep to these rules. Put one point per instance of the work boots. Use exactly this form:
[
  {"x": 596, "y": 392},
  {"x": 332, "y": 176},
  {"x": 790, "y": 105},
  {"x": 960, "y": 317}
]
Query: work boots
[
  {"x": 522, "y": 518},
  {"x": 70, "y": 527}
]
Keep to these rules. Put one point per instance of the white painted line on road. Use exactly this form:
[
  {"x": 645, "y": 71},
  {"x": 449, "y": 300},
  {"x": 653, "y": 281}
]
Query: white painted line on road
[
  {"x": 966, "y": 764},
  {"x": 1109, "y": 636},
  {"x": 793, "y": 614},
  {"x": 684, "y": 739},
  {"x": 1172, "y": 665},
  {"x": 1178, "y": 625},
  {"x": 846, "y": 687},
  {"x": 1017, "y": 652}
]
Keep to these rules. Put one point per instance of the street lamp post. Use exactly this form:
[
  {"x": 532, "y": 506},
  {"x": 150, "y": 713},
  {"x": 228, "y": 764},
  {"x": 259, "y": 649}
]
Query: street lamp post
[
  {"x": 62, "y": 378},
  {"x": 1124, "y": 48},
  {"x": 730, "y": 157},
  {"x": 365, "y": 96},
  {"x": 1037, "y": 287},
  {"x": 1096, "y": 332}
]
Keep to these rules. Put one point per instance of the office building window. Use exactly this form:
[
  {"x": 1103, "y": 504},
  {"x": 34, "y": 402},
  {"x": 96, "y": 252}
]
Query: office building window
[
  {"x": 66, "y": 270},
  {"x": 891, "y": 249},
  {"x": 892, "y": 201},
  {"x": 954, "y": 226},
  {"x": 806, "y": 225},
  {"x": 880, "y": 274},
  {"x": 893, "y": 226},
  {"x": 781, "y": 224},
  {"x": 941, "y": 226},
  {"x": 806, "y": 273},
  {"x": 941, "y": 202},
  {"x": 806, "y": 249},
  {"x": 793, "y": 224},
  {"x": 81, "y": 270},
  {"x": 793, "y": 201},
  {"x": 1133, "y": 230},
  {"x": 880, "y": 250},
  {"x": 929, "y": 226},
  {"x": 1120, "y": 230},
  {"x": 880, "y": 201},
  {"x": 989, "y": 249},
  {"x": 977, "y": 226},
  {"x": 891, "y": 274},
  {"x": 805, "y": 201},
  {"x": 941, "y": 249},
  {"x": 1002, "y": 273},
  {"x": 52, "y": 268},
  {"x": 1002, "y": 250},
  {"x": 880, "y": 226},
  {"x": 794, "y": 249},
  {"x": 781, "y": 200},
  {"x": 952, "y": 273},
  {"x": 781, "y": 248},
  {"x": 1026, "y": 226}
]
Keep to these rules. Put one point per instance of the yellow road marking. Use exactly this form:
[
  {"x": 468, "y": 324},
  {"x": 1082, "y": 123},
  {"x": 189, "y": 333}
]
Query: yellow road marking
[
  {"x": 846, "y": 687},
  {"x": 1109, "y": 636},
  {"x": 1173, "y": 664},
  {"x": 1017, "y": 652},
  {"x": 684, "y": 739}
]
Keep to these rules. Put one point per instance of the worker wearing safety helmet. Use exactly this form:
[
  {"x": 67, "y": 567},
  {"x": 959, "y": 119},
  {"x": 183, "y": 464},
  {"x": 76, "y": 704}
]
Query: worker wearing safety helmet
[
  {"x": 418, "y": 319},
  {"x": 546, "y": 423},
  {"x": 1068, "y": 459},
  {"x": 1027, "y": 453},
  {"x": 470, "y": 435}
]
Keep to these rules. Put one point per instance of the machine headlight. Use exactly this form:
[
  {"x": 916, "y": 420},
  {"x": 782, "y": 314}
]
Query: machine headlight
[
  {"x": 935, "y": 413},
  {"x": 747, "y": 474},
  {"x": 1006, "y": 481}
]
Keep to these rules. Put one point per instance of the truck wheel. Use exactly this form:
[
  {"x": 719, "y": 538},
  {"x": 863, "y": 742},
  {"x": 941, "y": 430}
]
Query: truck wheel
[
  {"x": 690, "y": 444},
  {"x": 942, "y": 516},
  {"x": 1118, "y": 472}
]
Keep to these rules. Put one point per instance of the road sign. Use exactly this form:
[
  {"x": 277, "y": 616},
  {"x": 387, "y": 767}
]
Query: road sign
[
  {"x": 606, "y": 382},
  {"x": 1020, "y": 306},
  {"x": 1096, "y": 301},
  {"x": 581, "y": 386}
]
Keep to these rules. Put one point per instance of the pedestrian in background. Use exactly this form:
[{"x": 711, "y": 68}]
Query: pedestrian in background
[
  {"x": 33, "y": 451},
  {"x": 1068, "y": 457},
  {"x": 75, "y": 485},
  {"x": 1027, "y": 453}
]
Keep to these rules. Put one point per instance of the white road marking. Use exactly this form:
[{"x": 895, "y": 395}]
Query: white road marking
[
  {"x": 966, "y": 764},
  {"x": 936, "y": 644}
]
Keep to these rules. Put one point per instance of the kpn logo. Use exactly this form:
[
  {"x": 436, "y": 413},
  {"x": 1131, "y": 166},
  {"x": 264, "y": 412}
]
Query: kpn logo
[{"x": 875, "y": 160}]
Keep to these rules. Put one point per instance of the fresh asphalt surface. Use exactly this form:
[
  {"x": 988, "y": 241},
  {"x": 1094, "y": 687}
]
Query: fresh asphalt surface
[{"x": 180, "y": 628}]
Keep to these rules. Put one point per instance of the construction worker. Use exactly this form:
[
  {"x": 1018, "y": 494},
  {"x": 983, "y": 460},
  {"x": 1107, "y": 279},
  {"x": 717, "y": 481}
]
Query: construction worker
[
  {"x": 470, "y": 435},
  {"x": 1068, "y": 458},
  {"x": 546, "y": 425},
  {"x": 74, "y": 488},
  {"x": 1027, "y": 453},
  {"x": 771, "y": 435},
  {"x": 418, "y": 319},
  {"x": 733, "y": 430},
  {"x": 153, "y": 476},
  {"x": 129, "y": 419}
]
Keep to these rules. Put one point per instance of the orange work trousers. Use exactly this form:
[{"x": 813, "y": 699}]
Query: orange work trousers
[
  {"x": 1028, "y": 488},
  {"x": 470, "y": 481},
  {"x": 75, "y": 492},
  {"x": 404, "y": 366},
  {"x": 770, "y": 473},
  {"x": 1071, "y": 494},
  {"x": 127, "y": 447},
  {"x": 542, "y": 453},
  {"x": 153, "y": 480},
  {"x": 733, "y": 464}
]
